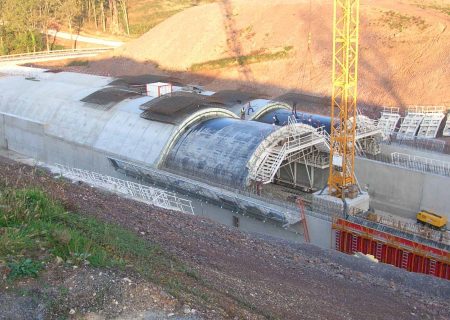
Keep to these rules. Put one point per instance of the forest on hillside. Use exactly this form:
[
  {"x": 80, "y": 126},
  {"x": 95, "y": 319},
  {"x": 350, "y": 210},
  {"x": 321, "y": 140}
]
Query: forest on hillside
[{"x": 24, "y": 23}]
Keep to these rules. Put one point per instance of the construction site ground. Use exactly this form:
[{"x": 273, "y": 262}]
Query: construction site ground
[{"x": 238, "y": 275}]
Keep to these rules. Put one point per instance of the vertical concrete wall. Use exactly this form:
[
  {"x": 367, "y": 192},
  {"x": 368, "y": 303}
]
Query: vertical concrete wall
[
  {"x": 320, "y": 232},
  {"x": 401, "y": 191},
  {"x": 3, "y": 141},
  {"x": 29, "y": 138},
  {"x": 23, "y": 136}
]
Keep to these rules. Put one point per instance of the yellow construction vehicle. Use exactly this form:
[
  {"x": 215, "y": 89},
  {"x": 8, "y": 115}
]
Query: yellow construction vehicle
[{"x": 431, "y": 219}]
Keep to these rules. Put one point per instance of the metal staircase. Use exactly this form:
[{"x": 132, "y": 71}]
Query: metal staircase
[
  {"x": 271, "y": 163},
  {"x": 446, "y": 132},
  {"x": 405, "y": 259},
  {"x": 296, "y": 141}
]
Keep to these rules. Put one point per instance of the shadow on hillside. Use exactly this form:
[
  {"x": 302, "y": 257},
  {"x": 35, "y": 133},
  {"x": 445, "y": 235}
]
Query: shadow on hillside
[
  {"x": 137, "y": 73},
  {"x": 234, "y": 45}
]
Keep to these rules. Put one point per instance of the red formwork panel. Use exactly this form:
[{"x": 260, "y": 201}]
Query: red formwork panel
[{"x": 410, "y": 260}]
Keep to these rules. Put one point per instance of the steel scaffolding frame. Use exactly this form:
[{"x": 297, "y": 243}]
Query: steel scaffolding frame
[
  {"x": 300, "y": 138},
  {"x": 431, "y": 122},
  {"x": 390, "y": 116},
  {"x": 410, "y": 125}
]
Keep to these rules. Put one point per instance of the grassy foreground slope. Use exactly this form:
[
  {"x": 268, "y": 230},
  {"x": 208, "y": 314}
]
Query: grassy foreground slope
[{"x": 146, "y": 258}]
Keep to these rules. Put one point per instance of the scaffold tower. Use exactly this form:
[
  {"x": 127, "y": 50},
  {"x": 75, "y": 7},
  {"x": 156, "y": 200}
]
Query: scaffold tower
[{"x": 343, "y": 105}]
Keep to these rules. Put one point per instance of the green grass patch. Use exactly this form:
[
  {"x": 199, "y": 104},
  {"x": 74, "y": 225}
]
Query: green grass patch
[
  {"x": 24, "y": 268},
  {"x": 36, "y": 229},
  {"x": 77, "y": 63},
  {"x": 255, "y": 57},
  {"x": 399, "y": 22}
]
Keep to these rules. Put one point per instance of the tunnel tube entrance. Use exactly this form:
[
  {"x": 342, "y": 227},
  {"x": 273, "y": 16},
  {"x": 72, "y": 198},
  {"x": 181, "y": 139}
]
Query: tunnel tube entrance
[
  {"x": 235, "y": 153},
  {"x": 293, "y": 155}
]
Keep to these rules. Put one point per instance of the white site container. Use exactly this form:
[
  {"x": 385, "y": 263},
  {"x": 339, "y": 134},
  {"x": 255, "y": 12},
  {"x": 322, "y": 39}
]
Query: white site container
[{"x": 158, "y": 89}]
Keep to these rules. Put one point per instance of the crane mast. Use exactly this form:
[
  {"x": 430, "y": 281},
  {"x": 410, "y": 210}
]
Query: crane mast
[{"x": 341, "y": 180}]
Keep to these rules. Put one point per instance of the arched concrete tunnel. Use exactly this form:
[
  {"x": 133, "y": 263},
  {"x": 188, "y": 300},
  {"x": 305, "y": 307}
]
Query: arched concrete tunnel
[
  {"x": 55, "y": 115},
  {"x": 94, "y": 123}
]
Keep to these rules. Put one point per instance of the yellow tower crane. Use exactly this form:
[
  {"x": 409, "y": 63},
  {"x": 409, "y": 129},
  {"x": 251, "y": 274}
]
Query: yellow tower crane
[{"x": 341, "y": 180}]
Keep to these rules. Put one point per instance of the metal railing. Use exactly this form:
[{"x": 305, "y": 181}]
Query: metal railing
[
  {"x": 420, "y": 143},
  {"x": 417, "y": 234},
  {"x": 421, "y": 163},
  {"x": 413, "y": 228},
  {"x": 150, "y": 195},
  {"x": 49, "y": 54},
  {"x": 296, "y": 141}
]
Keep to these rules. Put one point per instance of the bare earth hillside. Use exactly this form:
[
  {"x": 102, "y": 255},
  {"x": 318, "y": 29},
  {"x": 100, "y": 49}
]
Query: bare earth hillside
[
  {"x": 404, "y": 47},
  {"x": 232, "y": 274}
]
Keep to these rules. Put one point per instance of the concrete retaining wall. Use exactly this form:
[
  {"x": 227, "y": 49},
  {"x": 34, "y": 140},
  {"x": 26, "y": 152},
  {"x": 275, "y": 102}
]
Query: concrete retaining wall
[
  {"x": 29, "y": 138},
  {"x": 401, "y": 191},
  {"x": 3, "y": 142}
]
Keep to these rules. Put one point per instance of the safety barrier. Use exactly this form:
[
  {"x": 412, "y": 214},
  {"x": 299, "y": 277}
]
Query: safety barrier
[
  {"x": 150, "y": 195},
  {"x": 421, "y": 163},
  {"x": 51, "y": 54}
]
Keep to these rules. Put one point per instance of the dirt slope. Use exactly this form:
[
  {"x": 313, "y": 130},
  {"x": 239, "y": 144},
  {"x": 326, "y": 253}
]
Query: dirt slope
[
  {"x": 246, "y": 276},
  {"x": 403, "y": 49}
]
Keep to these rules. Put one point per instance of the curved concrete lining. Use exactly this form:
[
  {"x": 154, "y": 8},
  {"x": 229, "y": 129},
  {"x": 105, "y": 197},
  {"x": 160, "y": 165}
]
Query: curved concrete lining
[
  {"x": 54, "y": 101},
  {"x": 218, "y": 150},
  {"x": 187, "y": 123},
  {"x": 270, "y": 106}
]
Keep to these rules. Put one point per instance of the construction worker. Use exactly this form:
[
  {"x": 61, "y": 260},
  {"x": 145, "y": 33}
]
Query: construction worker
[
  {"x": 249, "y": 107},
  {"x": 276, "y": 121},
  {"x": 243, "y": 113}
]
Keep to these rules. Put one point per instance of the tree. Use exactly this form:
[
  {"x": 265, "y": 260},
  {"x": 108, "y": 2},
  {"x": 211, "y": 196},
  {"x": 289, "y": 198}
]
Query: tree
[
  {"x": 20, "y": 26},
  {"x": 124, "y": 6},
  {"x": 22, "y": 22},
  {"x": 50, "y": 11},
  {"x": 114, "y": 12},
  {"x": 71, "y": 13}
]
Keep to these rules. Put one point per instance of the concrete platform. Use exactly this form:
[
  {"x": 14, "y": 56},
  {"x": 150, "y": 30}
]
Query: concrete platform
[{"x": 322, "y": 201}]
